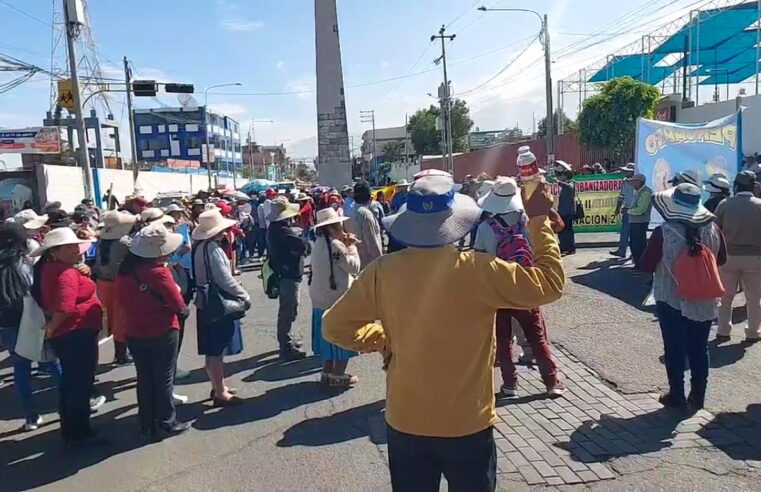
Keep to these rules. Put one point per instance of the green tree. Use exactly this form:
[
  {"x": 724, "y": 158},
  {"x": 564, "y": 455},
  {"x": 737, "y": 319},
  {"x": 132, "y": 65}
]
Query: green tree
[
  {"x": 608, "y": 120},
  {"x": 427, "y": 139},
  {"x": 568, "y": 124},
  {"x": 394, "y": 151}
]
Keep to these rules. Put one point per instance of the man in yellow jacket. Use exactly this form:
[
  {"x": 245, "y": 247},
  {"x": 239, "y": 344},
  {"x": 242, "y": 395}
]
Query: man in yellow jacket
[{"x": 436, "y": 308}]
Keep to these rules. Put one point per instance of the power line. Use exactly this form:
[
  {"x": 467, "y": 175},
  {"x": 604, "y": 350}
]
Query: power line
[
  {"x": 25, "y": 13},
  {"x": 509, "y": 64}
]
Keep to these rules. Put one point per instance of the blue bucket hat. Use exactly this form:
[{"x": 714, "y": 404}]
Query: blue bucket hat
[{"x": 434, "y": 214}]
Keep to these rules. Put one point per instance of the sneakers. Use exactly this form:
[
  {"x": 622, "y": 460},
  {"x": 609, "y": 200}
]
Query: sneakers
[
  {"x": 557, "y": 390},
  {"x": 32, "y": 423},
  {"x": 179, "y": 399},
  {"x": 292, "y": 354},
  {"x": 506, "y": 392},
  {"x": 96, "y": 402}
]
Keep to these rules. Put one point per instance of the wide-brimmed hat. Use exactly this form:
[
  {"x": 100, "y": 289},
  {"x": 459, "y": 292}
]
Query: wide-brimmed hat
[
  {"x": 302, "y": 197},
  {"x": 346, "y": 188},
  {"x": 403, "y": 182},
  {"x": 717, "y": 183},
  {"x": 682, "y": 203},
  {"x": 503, "y": 198},
  {"x": 174, "y": 208},
  {"x": 60, "y": 237},
  {"x": 211, "y": 223},
  {"x": 155, "y": 214},
  {"x": 115, "y": 224},
  {"x": 429, "y": 172},
  {"x": 434, "y": 214},
  {"x": 282, "y": 209},
  {"x": 628, "y": 168},
  {"x": 29, "y": 219},
  {"x": 687, "y": 176},
  {"x": 563, "y": 165},
  {"x": 154, "y": 240},
  {"x": 328, "y": 216}
]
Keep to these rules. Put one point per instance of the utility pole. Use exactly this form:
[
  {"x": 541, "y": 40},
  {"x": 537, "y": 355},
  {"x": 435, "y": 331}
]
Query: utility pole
[
  {"x": 406, "y": 149},
  {"x": 73, "y": 12},
  {"x": 446, "y": 100},
  {"x": 133, "y": 144},
  {"x": 369, "y": 117}
]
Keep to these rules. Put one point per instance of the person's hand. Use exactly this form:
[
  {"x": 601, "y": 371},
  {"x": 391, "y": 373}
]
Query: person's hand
[
  {"x": 539, "y": 203},
  {"x": 350, "y": 239},
  {"x": 83, "y": 269}
]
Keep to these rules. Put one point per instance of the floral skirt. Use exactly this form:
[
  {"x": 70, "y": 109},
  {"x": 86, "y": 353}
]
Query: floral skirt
[{"x": 321, "y": 347}]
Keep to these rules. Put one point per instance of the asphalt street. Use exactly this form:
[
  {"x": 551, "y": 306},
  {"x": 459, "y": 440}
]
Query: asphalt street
[{"x": 291, "y": 434}]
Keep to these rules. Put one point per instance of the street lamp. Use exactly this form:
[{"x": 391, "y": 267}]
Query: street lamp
[
  {"x": 545, "y": 32},
  {"x": 206, "y": 112}
]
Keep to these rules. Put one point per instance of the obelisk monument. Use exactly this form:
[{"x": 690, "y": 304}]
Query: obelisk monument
[{"x": 333, "y": 159}]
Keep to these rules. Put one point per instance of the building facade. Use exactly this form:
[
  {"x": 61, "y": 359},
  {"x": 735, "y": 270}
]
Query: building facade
[
  {"x": 266, "y": 161},
  {"x": 381, "y": 141},
  {"x": 180, "y": 133}
]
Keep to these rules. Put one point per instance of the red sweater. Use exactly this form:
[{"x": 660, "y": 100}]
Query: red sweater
[
  {"x": 149, "y": 312},
  {"x": 64, "y": 290}
]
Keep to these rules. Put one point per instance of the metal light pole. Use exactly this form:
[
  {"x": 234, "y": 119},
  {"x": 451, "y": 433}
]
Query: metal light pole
[
  {"x": 133, "y": 144},
  {"x": 446, "y": 102},
  {"x": 73, "y": 28},
  {"x": 369, "y": 117},
  {"x": 545, "y": 32},
  {"x": 206, "y": 123}
]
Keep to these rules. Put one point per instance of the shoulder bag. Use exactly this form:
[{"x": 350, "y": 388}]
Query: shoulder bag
[{"x": 215, "y": 304}]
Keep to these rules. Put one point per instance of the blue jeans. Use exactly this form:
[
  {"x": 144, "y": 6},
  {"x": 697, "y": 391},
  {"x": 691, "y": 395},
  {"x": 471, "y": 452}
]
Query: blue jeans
[
  {"x": 623, "y": 242},
  {"x": 22, "y": 373},
  {"x": 682, "y": 338}
]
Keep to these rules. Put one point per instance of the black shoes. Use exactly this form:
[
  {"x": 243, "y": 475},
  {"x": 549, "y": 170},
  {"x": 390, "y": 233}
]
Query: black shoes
[
  {"x": 669, "y": 400},
  {"x": 232, "y": 402},
  {"x": 292, "y": 353},
  {"x": 176, "y": 428}
]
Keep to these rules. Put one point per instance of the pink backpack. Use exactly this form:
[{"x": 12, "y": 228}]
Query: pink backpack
[
  {"x": 512, "y": 240},
  {"x": 696, "y": 277}
]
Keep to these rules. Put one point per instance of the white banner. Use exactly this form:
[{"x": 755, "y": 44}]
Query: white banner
[{"x": 37, "y": 140}]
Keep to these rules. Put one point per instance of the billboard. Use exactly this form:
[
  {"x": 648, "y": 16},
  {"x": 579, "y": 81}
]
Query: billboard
[
  {"x": 664, "y": 149},
  {"x": 36, "y": 140}
]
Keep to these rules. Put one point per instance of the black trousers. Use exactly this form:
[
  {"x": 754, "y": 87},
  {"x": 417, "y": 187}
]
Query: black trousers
[
  {"x": 78, "y": 354},
  {"x": 261, "y": 241},
  {"x": 566, "y": 237},
  {"x": 637, "y": 241},
  {"x": 469, "y": 463},
  {"x": 155, "y": 362}
]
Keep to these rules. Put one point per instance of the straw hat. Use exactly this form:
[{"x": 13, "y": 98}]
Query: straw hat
[
  {"x": 115, "y": 224},
  {"x": 717, "y": 183},
  {"x": 430, "y": 172},
  {"x": 403, "y": 182},
  {"x": 628, "y": 168},
  {"x": 503, "y": 198},
  {"x": 563, "y": 166},
  {"x": 434, "y": 214},
  {"x": 30, "y": 220},
  {"x": 60, "y": 237},
  {"x": 155, "y": 214},
  {"x": 682, "y": 203},
  {"x": 328, "y": 216},
  {"x": 302, "y": 197},
  {"x": 174, "y": 208},
  {"x": 211, "y": 223},
  {"x": 282, "y": 209},
  {"x": 155, "y": 240}
]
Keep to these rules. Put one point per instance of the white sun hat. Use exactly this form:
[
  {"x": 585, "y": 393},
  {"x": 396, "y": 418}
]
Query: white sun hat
[
  {"x": 503, "y": 198},
  {"x": 282, "y": 209},
  {"x": 155, "y": 240},
  {"x": 61, "y": 237},
  {"x": 174, "y": 208},
  {"x": 428, "y": 172},
  {"x": 115, "y": 224},
  {"x": 328, "y": 216},
  {"x": 29, "y": 219},
  {"x": 155, "y": 214},
  {"x": 211, "y": 223},
  {"x": 717, "y": 183},
  {"x": 434, "y": 214},
  {"x": 682, "y": 203}
]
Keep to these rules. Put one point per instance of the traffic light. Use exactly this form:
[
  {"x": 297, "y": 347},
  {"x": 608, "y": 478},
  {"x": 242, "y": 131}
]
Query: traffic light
[
  {"x": 145, "y": 88},
  {"x": 179, "y": 88}
]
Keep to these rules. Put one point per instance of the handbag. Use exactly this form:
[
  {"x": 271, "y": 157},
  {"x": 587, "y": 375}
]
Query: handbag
[
  {"x": 215, "y": 304},
  {"x": 30, "y": 343}
]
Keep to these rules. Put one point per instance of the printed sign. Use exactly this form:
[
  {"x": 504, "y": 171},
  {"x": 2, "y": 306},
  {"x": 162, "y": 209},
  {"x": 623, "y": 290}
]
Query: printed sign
[
  {"x": 664, "y": 149},
  {"x": 38, "y": 140},
  {"x": 65, "y": 94},
  {"x": 599, "y": 195}
]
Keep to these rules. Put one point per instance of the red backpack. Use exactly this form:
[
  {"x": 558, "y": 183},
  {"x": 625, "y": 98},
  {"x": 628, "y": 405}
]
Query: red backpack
[{"x": 697, "y": 277}]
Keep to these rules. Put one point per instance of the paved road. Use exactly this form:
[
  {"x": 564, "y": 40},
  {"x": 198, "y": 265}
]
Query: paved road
[{"x": 293, "y": 435}]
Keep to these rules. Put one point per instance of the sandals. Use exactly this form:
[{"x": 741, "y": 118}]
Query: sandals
[{"x": 342, "y": 381}]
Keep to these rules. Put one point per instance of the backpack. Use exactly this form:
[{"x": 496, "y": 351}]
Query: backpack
[
  {"x": 696, "y": 277},
  {"x": 512, "y": 240},
  {"x": 270, "y": 280}
]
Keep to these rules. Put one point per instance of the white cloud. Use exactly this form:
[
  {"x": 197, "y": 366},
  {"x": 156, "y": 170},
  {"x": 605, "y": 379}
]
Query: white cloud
[
  {"x": 241, "y": 25},
  {"x": 279, "y": 65},
  {"x": 229, "y": 109},
  {"x": 304, "y": 85}
]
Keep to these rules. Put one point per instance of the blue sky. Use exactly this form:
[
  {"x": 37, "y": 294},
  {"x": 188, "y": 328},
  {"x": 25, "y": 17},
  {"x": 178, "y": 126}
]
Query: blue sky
[{"x": 268, "y": 46}]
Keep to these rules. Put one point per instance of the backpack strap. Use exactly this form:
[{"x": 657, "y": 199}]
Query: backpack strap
[{"x": 332, "y": 280}]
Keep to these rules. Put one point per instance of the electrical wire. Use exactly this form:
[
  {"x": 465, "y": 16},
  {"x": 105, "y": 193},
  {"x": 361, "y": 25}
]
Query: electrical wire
[
  {"x": 503, "y": 69},
  {"x": 25, "y": 13}
]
